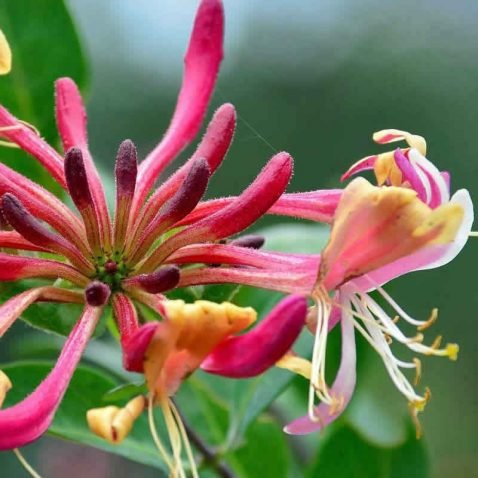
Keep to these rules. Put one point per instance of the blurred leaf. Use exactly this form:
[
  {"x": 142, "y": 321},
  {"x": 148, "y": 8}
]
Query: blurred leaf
[
  {"x": 253, "y": 396},
  {"x": 265, "y": 453},
  {"x": 85, "y": 391},
  {"x": 125, "y": 392},
  {"x": 346, "y": 454},
  {"x": 42, "y": 52},
  {"x": 50, "y": 316}
]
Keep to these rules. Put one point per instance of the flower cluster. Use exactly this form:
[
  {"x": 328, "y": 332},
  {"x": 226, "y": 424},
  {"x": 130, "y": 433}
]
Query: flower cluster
[{"x": 167, "y": 237}]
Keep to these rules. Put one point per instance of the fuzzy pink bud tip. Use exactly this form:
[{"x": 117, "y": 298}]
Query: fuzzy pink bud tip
[
  {"x": 163, "y": 279},
  {"x": 251, "y": 241},
  {"x": 76, "y": 178},
  {"x": 97, "y": 293},
  {"x": 126, "y": 168}
]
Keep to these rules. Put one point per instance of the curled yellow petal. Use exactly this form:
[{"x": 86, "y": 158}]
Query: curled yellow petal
[
  {"x": 5, "y": 55},
  {"x": 5, "y": 386},
  {"x": 113, "y": 423}
]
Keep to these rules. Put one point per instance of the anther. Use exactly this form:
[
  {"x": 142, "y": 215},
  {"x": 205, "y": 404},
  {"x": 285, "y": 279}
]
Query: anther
[
  {"x": 97, "y": 293},
  {"x": 418, "y": 371}
]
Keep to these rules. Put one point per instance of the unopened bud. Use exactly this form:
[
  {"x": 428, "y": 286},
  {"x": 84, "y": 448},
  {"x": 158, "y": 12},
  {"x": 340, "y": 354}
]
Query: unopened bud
[
  {"x": 113, "y": 423},
  {"x": 97, "y": 293},
  {"x": 5, "y": 386}
]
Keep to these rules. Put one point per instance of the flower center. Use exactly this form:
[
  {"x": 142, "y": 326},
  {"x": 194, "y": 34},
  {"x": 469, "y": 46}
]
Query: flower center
[{"x": 112, "y": 270}]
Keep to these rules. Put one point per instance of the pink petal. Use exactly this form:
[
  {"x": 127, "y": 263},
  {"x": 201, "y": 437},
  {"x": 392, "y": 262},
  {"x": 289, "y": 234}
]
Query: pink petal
[
  {"x": 28, "y": 420},
  {"x": 256, "y": 351},
  {"x": 34, "y": 231},
  {"x": 317, "y": 206},
  {"x": 202, "y": 61},
  {"x": 71, "y": 119},
  {"x": 286, "y": 281},
  {"x": 178, "y": 206},
  {"x": 240, "y": 214},
  {"x": 14, "y": 307},
  {"x": 409, "y": 174},
  {"x": 430, "y": 257},
  {"x": 30, "y": 142},
  {"x": 231, "y": 254},
  {"x": 213, "y": 148},
  {"x": 343, "y": 386},
  {"x": 17, "y": 267},
  {"x": 44, "y": 205},
  {"x": 364, "y": 164},
  {"x": 13, "y": 240}
]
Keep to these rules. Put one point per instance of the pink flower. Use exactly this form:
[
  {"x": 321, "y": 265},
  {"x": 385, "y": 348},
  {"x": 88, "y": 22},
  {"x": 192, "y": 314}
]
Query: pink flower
[
  {"x": 378, "y": 233},
  {"x": 118, "y": 259}
]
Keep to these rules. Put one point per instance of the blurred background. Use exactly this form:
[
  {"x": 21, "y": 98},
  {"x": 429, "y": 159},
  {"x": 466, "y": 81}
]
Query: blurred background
[{"x": 315, "y": 78}]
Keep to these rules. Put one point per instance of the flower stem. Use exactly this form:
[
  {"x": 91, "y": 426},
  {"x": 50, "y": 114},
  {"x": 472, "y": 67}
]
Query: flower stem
[{"x": 210, "y": 456}]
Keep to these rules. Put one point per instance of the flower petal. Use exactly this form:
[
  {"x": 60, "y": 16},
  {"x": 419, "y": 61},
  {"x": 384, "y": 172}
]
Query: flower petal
[
  {"x": 33, "y": 144},
  {"x": 202, "y": 61},
  {"x": 28, "y": 420},
  {"x": 14, "y": 307},
  {"x": 256, "y": 351},
  {"x": 429, "y": 257},
  {"x": 213, "y": 148},
  {"x": 14, "y": 267},
  {"x": 342, "y": 388},
  {"x": 240, "y": 214},
  {"x": 71, "y": 119}
]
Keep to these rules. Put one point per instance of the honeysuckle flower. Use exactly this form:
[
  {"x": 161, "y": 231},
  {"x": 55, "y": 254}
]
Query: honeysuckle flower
[
  {"x": 95, "y": 259},
  {"x": 408, "y": 223}
]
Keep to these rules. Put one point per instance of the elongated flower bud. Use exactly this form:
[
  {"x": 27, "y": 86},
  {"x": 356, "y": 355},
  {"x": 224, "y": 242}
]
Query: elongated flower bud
[
  {"x": 254, "y": 352},
  {"x": 162, "y": 280},
  {"x": 77, "y": 182},
  {"x": 97, "y": 293},
  {"x": 180, "y": 205},
  {"x": 251, "y": 241},
  {"x": 34, "y": 231},
  {"x": 126, "y": 171}
]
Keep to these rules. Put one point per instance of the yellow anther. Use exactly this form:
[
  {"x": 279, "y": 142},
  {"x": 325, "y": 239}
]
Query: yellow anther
[
  {"x": 396, "y": 319},
  {"x": 417, "y": 406},
  {"x": 5, "y": 386},
  {"x": 431, "y": 320},
  {"x": 418, "y": 371},
  {"x": 113, "y": 423},
  {"x": 418, "y": 339},
  {"x": 388, "y": 339},
  {"x": 452, "y": 351}
]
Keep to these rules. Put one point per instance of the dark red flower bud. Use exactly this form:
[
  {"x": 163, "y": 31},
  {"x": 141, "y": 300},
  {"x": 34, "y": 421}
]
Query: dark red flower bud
[
  {"x": 76, "y": 179},
  {"x": 97, "y": 293},
  {"x": 159, "y": 281},
  {"x": 252, "y": 241},
  {"x": 126, "y": 169}
]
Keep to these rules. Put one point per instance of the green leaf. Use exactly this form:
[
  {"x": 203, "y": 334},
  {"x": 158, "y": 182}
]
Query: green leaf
[
  {"x": 44, "y": 47},
  {"x": 265, "y": 452},
  {"x": 253, "y": 396},
  {"x": 346, "y": 454},
  {"x": 85, "y": 391}
]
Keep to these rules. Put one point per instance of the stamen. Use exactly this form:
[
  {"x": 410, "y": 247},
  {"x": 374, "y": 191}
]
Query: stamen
[
  {"x": 418, "y": 371},
  {"x": 185, "y": 438},
  {"x": 415, "y": 408},
  {"x": 431, "y": 320},
  {"x": 157, "y": 441},
  {"x": 25, "y": 464},
  {"x": 473, "y": 234}
]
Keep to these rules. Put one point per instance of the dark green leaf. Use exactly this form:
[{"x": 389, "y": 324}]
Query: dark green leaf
[
  {"x": 45, "y": 47},
  {"x": 346, "y": 454}
]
